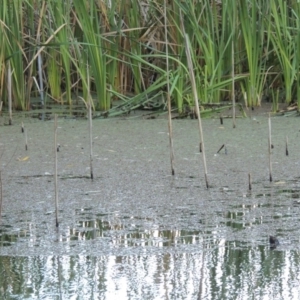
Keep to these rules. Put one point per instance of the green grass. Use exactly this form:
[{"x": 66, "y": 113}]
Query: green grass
[{"x": 124, "y": 46}]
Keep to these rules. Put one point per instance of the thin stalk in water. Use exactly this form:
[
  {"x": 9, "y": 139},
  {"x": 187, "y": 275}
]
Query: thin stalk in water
[
  {"x": 270, "y": 146},
  {"x": 250, "y": 181},
  {"x": 223, "y": 146},
  {"x": 89, "y": 106},
  {"x": 1, "y": 195},
  {"x": 55, "y": 170},
  {"x": 26, "y": 144},
  {"x": 91, "y": 138}
]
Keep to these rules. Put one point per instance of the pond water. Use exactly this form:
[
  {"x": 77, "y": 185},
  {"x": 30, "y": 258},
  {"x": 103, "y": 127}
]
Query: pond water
[{"x": 135, "y": 231}]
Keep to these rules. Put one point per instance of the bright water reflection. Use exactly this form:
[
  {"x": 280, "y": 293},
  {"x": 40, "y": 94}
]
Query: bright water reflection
[
  {"x": 225, "y": 255},
  {"x": 227, "y": 271}
]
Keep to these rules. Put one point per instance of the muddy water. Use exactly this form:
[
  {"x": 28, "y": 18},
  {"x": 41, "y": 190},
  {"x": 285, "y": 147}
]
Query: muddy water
[{"x": 136, "y": 232}]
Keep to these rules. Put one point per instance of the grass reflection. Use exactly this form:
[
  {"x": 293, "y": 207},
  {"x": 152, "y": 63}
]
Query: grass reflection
[
  {"x": 129, "y": 235},
  {"x": 228, "y": 271}
]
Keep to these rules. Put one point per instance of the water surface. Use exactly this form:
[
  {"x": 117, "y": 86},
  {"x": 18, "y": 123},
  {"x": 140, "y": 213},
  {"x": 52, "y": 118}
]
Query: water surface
[{"x": 136, "y": 232}]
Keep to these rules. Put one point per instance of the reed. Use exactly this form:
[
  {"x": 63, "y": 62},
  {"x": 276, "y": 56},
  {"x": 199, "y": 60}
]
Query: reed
[
  {"x": 269, "y": 149},
  {"x": 193, "y": 82},
  {"x": 135, "y": 9},
  {"x": 170, "y": 128},
  {"x": 233, "y": 88},
  {"x": 282, "y": 35},
  {"x": 89, "y": 22},
  {"x": 59, "y": 14},
  {"x": 55, "y": 170},
  {"x": 233, "y": 26},
  {"x": 223, "y": 146},
  {"x": 41, "y": 81},
  {"x": 54, "y": 76},
  {"x": 251, "y": 18},
  {"x": 176, "y": 42},
  {"x": 249, "y": 182},
  {"x": 123, "y": 42},
  {"x": 9, "y": 91},
  {"x": 296, "y": 13},
  {"x": 91, "y": 138},
  {"x": 89, "y": 104},
  {"x": 2, "y": 58},
  {"x": 14, "y": 43},
  {"x": 29, "y": 40},
  {"x": 1, "y": 195},
  {"x": 26, "y": 142}
]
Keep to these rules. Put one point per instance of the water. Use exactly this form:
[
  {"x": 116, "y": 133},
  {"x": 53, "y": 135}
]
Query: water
[
  {"x": 225, "y": 271},
  {"x": 137, "y": 233}
]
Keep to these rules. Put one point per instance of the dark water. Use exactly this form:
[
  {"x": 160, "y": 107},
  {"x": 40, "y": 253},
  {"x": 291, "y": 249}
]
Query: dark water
[{"x": 137, "y": 233}]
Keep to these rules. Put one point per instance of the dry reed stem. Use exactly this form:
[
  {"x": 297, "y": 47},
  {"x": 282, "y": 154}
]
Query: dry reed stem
[
  {"x": 40, "y": 72},
  {"x": 91, "y": 137},
  {"x": 233, "y": 88},
  {"x": 170, "y": 128},
  {"x": 9, "y": 75},
  {"x": 194, "y": 90},
  {"x": 55, "y": 170},
  {"x": 250, "y": 181},
  {"x": 26, "y": 144},
  {"x": 270, "y": 146},
  {"x": 1, "y": 195}
]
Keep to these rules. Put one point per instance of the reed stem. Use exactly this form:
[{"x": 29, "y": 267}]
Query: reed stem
[
  {"x": 91, "y": 138},
  {"x": 170, "y": 128},
  {"x": 55, "y": 170},
  {"x": 26, "y": 144},
  {"x": 270, "y": 146},
  {"x": 1, "y": 195},
  {"x": 233, "y": 88},
  {"x": 250, "y": 181},
  {"x": 221, "y": 148},
  {"x": 194, "y": 90},
  {"x": 9, "y": 87},
  {"x": 40, "y": 71}
]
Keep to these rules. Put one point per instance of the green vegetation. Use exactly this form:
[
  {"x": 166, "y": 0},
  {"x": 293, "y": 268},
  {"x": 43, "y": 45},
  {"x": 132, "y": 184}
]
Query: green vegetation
[{"x": 121, "y": 44}]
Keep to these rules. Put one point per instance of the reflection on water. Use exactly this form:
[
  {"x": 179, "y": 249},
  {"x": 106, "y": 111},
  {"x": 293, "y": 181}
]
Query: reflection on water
[
  {"x": 223, "y": 272},
  {"x": 213, "y": 250},
  {"x": 120, "y": 234}
]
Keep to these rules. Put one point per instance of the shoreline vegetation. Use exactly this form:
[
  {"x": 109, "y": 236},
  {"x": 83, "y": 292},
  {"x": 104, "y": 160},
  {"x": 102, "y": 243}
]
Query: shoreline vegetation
[{"x": 60, "y": 52}]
